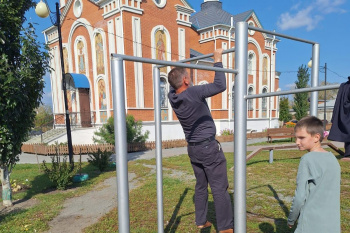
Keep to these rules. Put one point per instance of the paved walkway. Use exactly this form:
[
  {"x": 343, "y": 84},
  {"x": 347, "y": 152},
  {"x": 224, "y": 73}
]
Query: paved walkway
[{"x": 150, "y": 154}]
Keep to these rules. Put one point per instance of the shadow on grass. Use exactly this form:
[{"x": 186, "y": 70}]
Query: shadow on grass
[
  {"x": 280, "y": 223},
  {"x": 175, "y": 219}
]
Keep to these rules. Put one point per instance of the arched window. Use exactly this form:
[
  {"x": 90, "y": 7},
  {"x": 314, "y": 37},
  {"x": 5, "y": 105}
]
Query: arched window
[
  {"x": 251, "y": 63},
  {"x": 264, "y": 103},
  {"x": 264, "y": 100},
  {"x": 163, "y": 93},
  {"x": 250, "y": 101}
]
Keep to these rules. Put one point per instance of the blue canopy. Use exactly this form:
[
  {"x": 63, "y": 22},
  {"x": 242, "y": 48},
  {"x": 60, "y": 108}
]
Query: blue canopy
[{"x": 80, "y": 80}]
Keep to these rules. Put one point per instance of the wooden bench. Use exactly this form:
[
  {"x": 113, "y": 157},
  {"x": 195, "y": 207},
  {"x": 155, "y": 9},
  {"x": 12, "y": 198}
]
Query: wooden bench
[
  {"x": 291, "y": 146},
  {"x": 279, "y": 133}
]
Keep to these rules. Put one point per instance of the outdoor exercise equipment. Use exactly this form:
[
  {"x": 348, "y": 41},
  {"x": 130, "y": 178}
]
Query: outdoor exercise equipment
[{"x": 240, "y": 121}]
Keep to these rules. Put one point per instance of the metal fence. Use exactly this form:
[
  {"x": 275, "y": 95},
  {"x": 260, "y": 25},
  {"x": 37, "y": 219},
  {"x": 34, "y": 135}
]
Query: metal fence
[{"x": 240, "y": 121}]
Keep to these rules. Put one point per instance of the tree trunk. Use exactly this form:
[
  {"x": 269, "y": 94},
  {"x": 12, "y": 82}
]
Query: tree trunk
[{"x": 6, "y": 187}]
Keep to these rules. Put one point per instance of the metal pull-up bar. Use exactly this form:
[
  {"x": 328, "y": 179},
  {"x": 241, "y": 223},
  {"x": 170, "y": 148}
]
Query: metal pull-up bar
[
  {"x": 315, "y": 60},
  {"x": 240, "y": 124},
  {"x": 203, "y": 56},
  {"x": 120, "y": 130}
]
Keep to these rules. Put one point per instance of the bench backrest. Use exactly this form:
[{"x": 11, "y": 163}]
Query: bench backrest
[{"x": 289, "y": 131}]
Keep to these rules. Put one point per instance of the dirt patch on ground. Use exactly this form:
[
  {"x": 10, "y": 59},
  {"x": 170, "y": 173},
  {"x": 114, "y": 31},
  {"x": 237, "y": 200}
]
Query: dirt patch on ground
[{"x": 18, "y": 205}]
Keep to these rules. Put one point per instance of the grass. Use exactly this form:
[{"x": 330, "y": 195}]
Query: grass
[
  {"x": 270, "y": 188},
  {"x": 48, "y": 201}
]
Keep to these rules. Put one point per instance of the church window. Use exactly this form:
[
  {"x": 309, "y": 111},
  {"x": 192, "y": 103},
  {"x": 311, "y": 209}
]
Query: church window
[
  {"x": 250, "y": 101},
  {"x": 163, "y": 93}
]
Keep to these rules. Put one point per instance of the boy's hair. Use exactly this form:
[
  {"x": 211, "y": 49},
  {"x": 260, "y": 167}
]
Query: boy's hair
[
  {"x": 312, "y": 125},
  {"x": 175, "y": 77}
]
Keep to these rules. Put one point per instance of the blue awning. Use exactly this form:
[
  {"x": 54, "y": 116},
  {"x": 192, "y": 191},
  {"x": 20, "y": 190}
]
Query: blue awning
[{"x": 80, "y": 80}]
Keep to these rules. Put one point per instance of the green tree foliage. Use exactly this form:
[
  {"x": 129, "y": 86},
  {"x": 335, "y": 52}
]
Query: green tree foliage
[
  {"x": 22, "y": 66},
  {"x": 301, "y": 103},
  {"x": 44, "y": 118},
  {"x": 133, "y": 129},
  {"x": 284, "y": 110},
  {"x": 330, "y": 94}
]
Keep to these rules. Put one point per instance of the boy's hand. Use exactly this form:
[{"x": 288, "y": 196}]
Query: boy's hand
[{"x": 218, "y": 55}]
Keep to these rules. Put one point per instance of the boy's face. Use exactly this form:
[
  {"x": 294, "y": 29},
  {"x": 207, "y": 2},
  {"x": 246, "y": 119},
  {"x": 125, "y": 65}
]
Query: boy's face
[{"x": 306, "y": 141}]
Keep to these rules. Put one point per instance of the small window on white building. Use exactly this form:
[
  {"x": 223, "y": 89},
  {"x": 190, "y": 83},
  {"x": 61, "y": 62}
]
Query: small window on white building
[
  {"x": 264, "y": 100},
  {"x": 250, "y": 101},
  {"x": 251, "y": 63},
  {"x": 163, "y": 93}
]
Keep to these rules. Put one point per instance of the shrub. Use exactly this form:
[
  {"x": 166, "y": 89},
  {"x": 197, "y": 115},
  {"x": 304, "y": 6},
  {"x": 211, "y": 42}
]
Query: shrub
[
  {"x": 100, "y": 159},
  {"x": 226, "y": 132},
  {"x": 134, "y": 131},
  {"x": 60, "y": 173}
]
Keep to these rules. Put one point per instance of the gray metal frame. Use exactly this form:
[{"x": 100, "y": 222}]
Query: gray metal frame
[
  {"x": 240, "y": 121},
  {"x": 120, "y": 130}
]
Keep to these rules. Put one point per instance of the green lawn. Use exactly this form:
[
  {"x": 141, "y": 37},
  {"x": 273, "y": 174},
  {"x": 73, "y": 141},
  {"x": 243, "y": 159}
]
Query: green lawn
[{"x": 270, "y": 188}]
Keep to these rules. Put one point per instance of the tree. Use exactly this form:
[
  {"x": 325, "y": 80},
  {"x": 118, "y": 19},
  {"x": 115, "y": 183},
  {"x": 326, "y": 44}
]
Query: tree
[
  {"x": 23, "y": 63},
  {"x": 301, "y": 103},
  {"x": 284, "y": 110},
  {"x": 133, "y": 130},
  {"x": 330, "y": 94},
  {"x": 43, "y": 118}
]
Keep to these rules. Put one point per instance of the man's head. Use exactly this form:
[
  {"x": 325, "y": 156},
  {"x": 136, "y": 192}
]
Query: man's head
[
  {"x": 308, "y": 133},
  {"x": 179, "y": 78}
]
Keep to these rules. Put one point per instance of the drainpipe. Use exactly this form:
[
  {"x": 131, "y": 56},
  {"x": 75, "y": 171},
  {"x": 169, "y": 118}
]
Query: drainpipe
[
  {"x": 271, "y": 98},
  {"x": 214, "y": 37},
  {"x": 121, "y": 17},
  {"x": 195, "y": 74},
  {"x": 230, "y": 74}
]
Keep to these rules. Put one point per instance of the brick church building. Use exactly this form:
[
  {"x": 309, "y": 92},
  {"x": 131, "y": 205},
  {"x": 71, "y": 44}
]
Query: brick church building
[{"x": 158, "y": 29}]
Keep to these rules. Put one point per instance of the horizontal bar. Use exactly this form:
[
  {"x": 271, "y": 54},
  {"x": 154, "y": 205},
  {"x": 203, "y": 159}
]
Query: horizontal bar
[
  {"x": 203, "y": 56},
  {"x": 281, "y": 35},
  {"x": 309, "y": 89},
  {"x": 171, "y": 63}
]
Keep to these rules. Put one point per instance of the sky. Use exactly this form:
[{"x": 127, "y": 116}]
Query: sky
[{"x": 323, "y": 21}]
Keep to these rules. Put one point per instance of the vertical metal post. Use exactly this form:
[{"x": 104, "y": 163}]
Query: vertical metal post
[
  {"x": 120, "y": 144},
  {"x": 314, "y": 78},
  {"x": 271, "y": 156},
  {"x": 325, "y": 98},
  {"x": 64, "y": 86},
  {"x": 157, "y": 118},
  {"x": 240, "y": 126}
]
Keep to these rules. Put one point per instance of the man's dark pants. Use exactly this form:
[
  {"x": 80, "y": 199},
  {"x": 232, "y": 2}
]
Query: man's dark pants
[
  {"x": 347, "y": 149},
  {"x": 209, "y": 165}
]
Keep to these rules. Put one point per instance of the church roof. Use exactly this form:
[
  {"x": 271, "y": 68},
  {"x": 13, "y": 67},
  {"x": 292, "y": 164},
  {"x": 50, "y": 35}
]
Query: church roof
[
  {"x": 211, "y": 13},
  {"x": 194, "y": 53}
]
